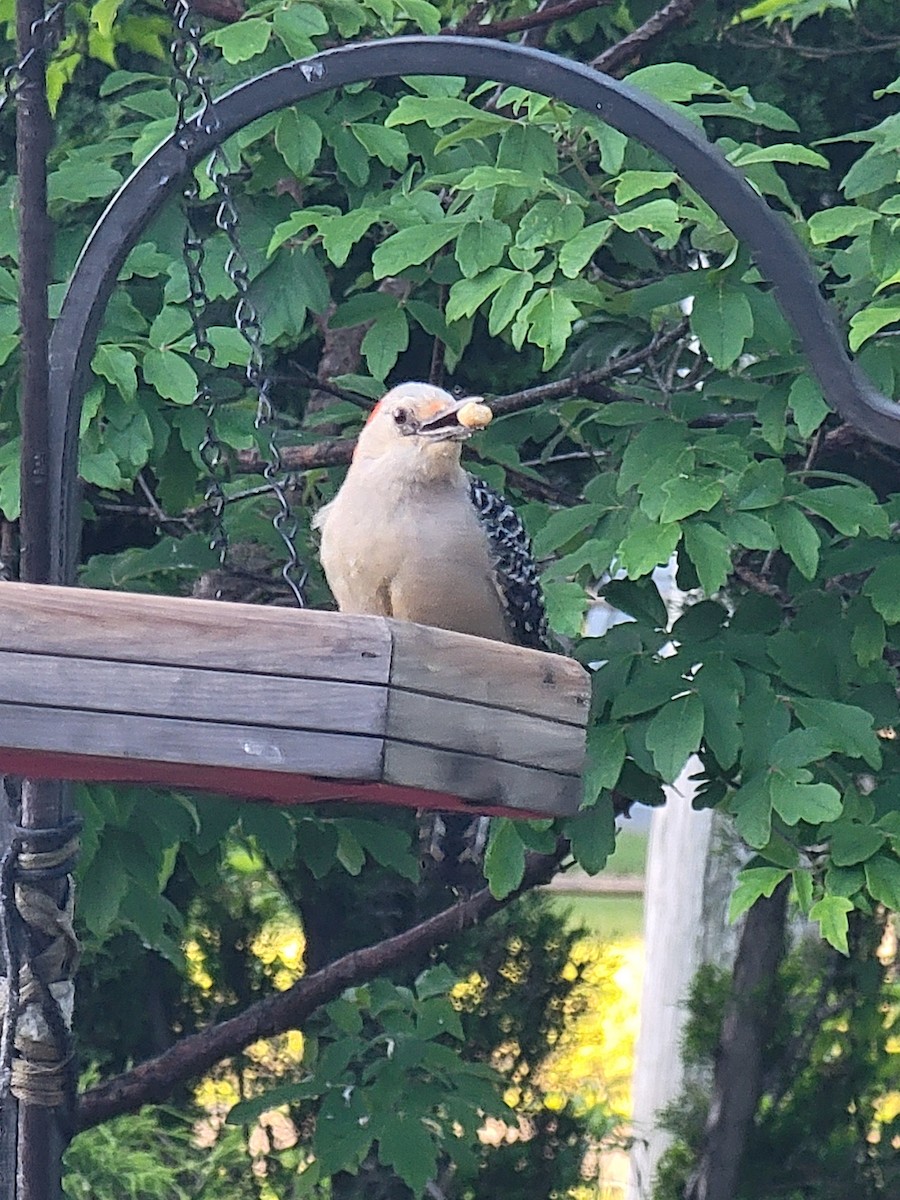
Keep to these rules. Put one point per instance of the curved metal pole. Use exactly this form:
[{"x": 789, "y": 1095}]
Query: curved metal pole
[{"x": 777, "y": 253}]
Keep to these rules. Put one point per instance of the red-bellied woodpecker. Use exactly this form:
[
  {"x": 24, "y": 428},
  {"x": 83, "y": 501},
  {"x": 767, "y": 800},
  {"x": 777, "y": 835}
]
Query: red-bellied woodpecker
[{"x": 411, "y": 535}]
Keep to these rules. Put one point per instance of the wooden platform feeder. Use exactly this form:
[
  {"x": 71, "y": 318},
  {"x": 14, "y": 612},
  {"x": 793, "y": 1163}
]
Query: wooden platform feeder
[{"x": 284, "y": 705}]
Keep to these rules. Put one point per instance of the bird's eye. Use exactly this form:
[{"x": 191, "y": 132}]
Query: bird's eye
[{"x": 401, "y": 416}]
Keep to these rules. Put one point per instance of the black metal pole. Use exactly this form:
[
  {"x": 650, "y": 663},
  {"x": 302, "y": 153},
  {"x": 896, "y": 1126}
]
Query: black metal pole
[
  {"x": 40, "y": 1136},
  {"x": 34, "y": 135}
]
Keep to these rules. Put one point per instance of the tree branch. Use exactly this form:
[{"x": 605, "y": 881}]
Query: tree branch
[
  {"x": 633, "y": 43},
  {"x": 738, "y": 1079},
  {"x": 335, "y": 452},
  {"x": 153, "y": 1081},
  {"x": 221, "y": 10},
  {"x": 571, "y": 385},
  {"x": 542, "y": 16}
]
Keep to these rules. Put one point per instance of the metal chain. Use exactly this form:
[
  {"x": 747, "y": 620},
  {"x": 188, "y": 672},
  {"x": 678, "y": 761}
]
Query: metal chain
[
  {"x": 10, "y": 78},
  {"x": 192, "y": 89}
]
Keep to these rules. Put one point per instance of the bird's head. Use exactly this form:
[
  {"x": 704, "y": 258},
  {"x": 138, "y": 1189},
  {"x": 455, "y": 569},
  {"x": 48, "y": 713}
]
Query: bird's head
[{"x": 417, "y": 421}]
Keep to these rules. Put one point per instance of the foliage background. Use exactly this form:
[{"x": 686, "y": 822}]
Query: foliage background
[{"x": 492, "y": 239}]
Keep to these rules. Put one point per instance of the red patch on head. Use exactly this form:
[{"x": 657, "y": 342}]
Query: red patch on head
[{"x": 375, "y": 410}]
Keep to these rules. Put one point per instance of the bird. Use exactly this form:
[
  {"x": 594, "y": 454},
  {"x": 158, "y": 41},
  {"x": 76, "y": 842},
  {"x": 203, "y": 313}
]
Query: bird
[{"x": 410, "y": 534}]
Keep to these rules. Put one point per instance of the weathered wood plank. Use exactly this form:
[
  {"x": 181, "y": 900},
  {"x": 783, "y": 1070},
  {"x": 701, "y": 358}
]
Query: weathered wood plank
[
  {"x": 437, "y": 662},
  {"x": 308, "y": 705},
  {"x": 192, "y": 692},
  {"x": 482, "y": 781},
  {"x": 476, "y": 729},
  {"x": 133, "y": 627},
  {"x": 164, "y": 739}
]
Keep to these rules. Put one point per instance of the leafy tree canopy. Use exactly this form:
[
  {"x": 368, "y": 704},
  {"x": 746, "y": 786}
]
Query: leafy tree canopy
[{"x": 651, "y": 402}]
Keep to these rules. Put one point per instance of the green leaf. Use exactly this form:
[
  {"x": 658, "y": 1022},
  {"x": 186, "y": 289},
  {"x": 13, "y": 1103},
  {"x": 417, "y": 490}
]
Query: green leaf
[
  {"x": 640, "y": 600},
  {"x": 298, "y": 140},
  {"x": 659, "y": 216},
  {"x": 803, "y": 889},
  {"x": 674, "y": 735},
  {"x": 119, "y": 367},
  {"x": 340, "y": 234},
  {"x": 771, "y": 413},
  {"x": 78, "y": 181},
  {"x": 752, "y": 809},
  {"x": 577, "y": 251},
  {"x": 172, "y": 376},
  {"x": 844, "y": 881},
  {"x": 435, "y": 981},
  {"x": 809, "y": 408},
  {"x": 849, "y": 729},
  {"x": 389, "y": 146},
  {"x": 425, "y": 15},
  {"x": 751, "y": 884},
  {"x": 795, "y": 800},
  {"x": 843, "y": 221},
  {"x": 710, "y": 552},
  {"x": 869, "y": 636},
  {"x": 407, "y": 1146},
  {"x": 831, "y": 914},
  {"x": 102, "y": 890},
  {"x": 852, "y": 843},
  {"x": 480, "y": 245},
  {"x": 243, "y": 40},
  {"x": 343, "y": 1131},
  {"x": 566, "y": 603},
  {"x": 605, "y": 756},
  {"x": 633, "y": 184},
  {"x": 883, "y": 880},
  {"x": 169, "y": 326},
  {"x": 504, "y": 858},
  {"x": 467, "y": 295},
  {"x": 388, "y": 845},
  {"x": 592, "y": 834},
  {"x": 10, "y": 497},
  {"x": 871, "y": 320},
  {"x": 410, "y": 247},
  {"x": 686, "y": 495},
  {"x": 786, "y": 152},
  {"x": 799, "y": 748},
  {"x": 799, "y": 538},
  {"x": 883, "y": 589},
  {"x": 385, "y": 341},
  {"x": 674, "y": 81},
  {"x": 723, "y": 320},
  {"x": 350, "y": 853},
  {"x": 296, "y": 25},
  {"x": 848, "y": 508},
  {"x": 272, "y": 829},
  {"x": 549, "y": 318},
  {"x": 647, "y": 545},
  {"x": 508, "y": 300},
  {"x": 760, "y": 486},
  {"x": 548, "y": 221},
  {"x": 749, "y": 531},
  {"x": 658, "y": 442}
]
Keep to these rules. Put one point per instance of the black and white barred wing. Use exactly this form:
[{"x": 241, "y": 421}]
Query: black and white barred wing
[{"x": 517, "y": 575}]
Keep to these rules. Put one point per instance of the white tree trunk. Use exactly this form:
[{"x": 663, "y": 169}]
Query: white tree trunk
[{"x": 691, "y": 864}]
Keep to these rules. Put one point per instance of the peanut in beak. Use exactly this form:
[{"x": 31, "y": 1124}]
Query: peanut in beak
[{"x": 473, "y": 415}]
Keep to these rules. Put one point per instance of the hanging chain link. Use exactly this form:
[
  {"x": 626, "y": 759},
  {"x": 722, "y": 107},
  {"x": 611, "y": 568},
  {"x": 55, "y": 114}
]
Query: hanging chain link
[
  {"x": 52, "y": 22},
  {"x": 192, "y": 91}
]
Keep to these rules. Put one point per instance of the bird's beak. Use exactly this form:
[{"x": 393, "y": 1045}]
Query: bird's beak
[{"x": 456, "y": 421}]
